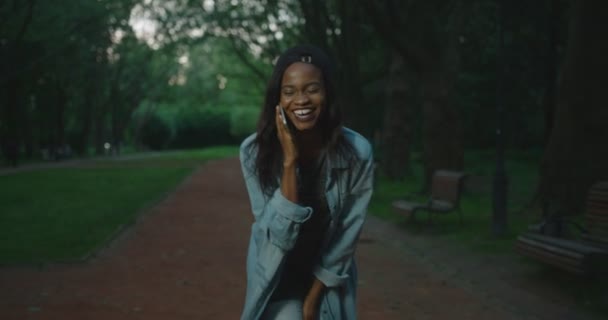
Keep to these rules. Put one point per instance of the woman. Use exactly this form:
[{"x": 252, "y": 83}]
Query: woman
[{"x": 309, "y": 181}]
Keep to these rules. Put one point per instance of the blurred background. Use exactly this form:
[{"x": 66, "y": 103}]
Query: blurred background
[
  {"x": 135, "y": 94},
  {"x": 433, "y": 78}
]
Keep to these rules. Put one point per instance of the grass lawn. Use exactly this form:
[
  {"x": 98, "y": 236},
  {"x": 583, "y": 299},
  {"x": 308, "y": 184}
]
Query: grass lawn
[
  {"x": 476, "y": 205},
  {"x": 63, "y": 214}
]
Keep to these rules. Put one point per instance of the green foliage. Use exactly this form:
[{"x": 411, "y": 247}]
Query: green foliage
[
  {"x": 196, "y": 45},
  {"x": 155, "y": 132},
  {"x": 181, "y": 127},
  {"x": 243, "y": 122},
  {"x": 196, "y": 128}
]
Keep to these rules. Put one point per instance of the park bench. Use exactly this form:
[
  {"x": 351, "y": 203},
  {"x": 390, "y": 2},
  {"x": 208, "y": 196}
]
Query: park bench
[
  {"x": 446, "y": 189},
  {"x": 586, "y": 255}
]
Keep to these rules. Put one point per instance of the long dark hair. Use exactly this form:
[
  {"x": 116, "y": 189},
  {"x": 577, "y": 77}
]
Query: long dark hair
[{"x": 268, "y": 163}]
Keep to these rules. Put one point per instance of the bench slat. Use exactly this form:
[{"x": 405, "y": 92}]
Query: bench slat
[
  {"x": 596, "y": 241},
  {"x": 551, "y": 249},
  {"x": 549, "y": 258},
  {"x": 594, "y": 215},
  {"x": 561, "y": 245},
  {"x": 598, "y": 209}
]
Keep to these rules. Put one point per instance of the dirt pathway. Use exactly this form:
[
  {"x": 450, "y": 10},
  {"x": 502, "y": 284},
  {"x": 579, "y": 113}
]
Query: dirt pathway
[{"x": 185, "y": 259}]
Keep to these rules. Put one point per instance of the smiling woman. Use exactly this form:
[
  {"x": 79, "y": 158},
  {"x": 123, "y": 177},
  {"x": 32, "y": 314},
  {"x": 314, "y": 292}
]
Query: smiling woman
[{"x": 309, "y": 181}]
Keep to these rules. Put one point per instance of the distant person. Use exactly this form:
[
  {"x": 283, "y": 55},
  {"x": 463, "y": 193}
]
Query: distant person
[{"x": 309, "y": 181}]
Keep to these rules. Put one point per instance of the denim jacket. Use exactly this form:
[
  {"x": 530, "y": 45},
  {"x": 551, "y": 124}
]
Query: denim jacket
[{"x": 274, "y": 232}]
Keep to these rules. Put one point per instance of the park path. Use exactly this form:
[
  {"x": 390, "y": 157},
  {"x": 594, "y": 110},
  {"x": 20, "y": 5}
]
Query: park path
[{"x": 185, "y": 259}]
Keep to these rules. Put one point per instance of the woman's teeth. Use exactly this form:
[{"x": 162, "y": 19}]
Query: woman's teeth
[{"x": 302, "y": 112}]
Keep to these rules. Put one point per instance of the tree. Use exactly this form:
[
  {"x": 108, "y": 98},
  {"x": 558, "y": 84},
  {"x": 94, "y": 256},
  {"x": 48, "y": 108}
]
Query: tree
[
  {"x": 576, "y": 155},
  {"x": 427, "y": 42},
  {"x": 18, "y": 16},
  {"x": 335, "y": 26},
  {"x": 51, "y": 73}
]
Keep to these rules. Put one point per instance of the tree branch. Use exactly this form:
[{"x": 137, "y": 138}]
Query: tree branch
[
  {"x": 26, "y": 22},
  {"x": 412, "y": 53},
  {"x": 246, "y": 61}
]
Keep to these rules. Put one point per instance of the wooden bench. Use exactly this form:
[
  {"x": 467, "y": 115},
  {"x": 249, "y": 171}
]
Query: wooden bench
[
  {"x": 446, "y": 188},
  {"x": 587, "y": 255}
]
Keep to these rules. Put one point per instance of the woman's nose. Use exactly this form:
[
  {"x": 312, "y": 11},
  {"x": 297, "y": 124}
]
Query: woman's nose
[{"x": 302, "y": 98}]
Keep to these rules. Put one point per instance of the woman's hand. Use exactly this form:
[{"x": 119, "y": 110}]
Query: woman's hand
[{"x": 290, "y": 152}]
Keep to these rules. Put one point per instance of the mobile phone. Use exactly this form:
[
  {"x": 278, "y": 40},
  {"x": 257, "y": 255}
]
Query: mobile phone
[
  {"x": 283, "y": 116},
  {"x": 288, "y": 124}
]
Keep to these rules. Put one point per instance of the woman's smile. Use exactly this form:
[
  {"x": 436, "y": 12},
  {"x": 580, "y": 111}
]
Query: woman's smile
[{"x": 304, "y": 114}]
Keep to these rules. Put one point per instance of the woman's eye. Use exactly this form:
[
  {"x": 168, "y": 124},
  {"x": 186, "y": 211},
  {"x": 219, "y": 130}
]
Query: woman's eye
[
  {"x": 288, "y": 92},
  {"x": 314, "y": 89}
]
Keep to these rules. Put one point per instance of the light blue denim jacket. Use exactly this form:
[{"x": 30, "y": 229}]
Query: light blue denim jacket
[{"x": 277, "y": 222}]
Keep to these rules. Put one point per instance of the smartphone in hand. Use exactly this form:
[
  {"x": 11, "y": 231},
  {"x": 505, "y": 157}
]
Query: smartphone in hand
[
  {"x": 283, "y": 116},
  {"x": 288, "y": 124}
]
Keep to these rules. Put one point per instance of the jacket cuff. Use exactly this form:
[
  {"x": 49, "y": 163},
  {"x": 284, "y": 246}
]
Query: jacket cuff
[
  {"x": 329, "y": 278},
  {"x": 288, "y": 209}
]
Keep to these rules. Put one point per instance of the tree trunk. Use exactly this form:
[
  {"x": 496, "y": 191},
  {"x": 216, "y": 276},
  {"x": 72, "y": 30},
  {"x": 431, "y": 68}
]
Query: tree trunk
[
  {"x": 86, "y": 121},
  {"x": 99, "y": 129},
  {"x": 9, "y": 124},
  {"x": 548, "y": 99},
  {"x": 114, "y": 126},
  {"x": 60, "y": 106},
  {"x": 442, "y": 128},
  {"x": 431, "y": 52},
  {"x": 346, "y": 55},
  {"x": 357, "y": 114},
  {"x": 28, "y": 136},
  {"x": 9, "y": 130},
  {"x": 398, "y": 119},
  {"x": 577, "y": 153}
]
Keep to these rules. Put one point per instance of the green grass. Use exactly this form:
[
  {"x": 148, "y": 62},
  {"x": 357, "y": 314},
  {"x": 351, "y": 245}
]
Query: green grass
[
  {"x": 475, "y": 232},
  {"x": 187, "y": 158},
  {"x": 64, "y": 214},
  {"x": 476, "y": 206}
]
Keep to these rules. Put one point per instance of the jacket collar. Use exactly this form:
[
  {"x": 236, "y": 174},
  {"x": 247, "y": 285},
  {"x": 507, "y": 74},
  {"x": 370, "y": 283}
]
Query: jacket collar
[{"x": 337, "y": 161}]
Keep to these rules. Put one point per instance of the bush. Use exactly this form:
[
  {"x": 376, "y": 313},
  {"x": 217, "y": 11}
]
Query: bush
[
  {"x": 196, "y": 128},
  {"x": 155, "y": 132},
  {"x": 243, "y": 122}
]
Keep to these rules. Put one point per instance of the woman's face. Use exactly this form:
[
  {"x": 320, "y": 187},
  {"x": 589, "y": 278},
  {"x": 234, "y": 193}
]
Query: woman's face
[{"x": 302, "y": 95}]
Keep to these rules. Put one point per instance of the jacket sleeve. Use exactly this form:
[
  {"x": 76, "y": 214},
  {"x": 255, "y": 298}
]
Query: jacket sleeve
[
  {"x": 336, "y": 260},
  {"x": 278, "y": 219}
]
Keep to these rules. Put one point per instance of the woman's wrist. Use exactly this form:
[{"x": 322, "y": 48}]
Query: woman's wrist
[
  {"x": 289, "y": 164},
  {"x": 315, "y": 290}
]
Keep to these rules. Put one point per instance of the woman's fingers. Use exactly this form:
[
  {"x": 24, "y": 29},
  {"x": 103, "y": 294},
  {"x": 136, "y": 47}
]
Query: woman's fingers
[{"x": 278, "y": 119}]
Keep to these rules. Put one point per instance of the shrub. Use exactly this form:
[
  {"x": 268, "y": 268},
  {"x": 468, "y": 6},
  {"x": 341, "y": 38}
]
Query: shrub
[
  {"x": 196, "y": 128},
  {"x": 155, "y": 132},
  {"x": 243, "y": 122}
]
